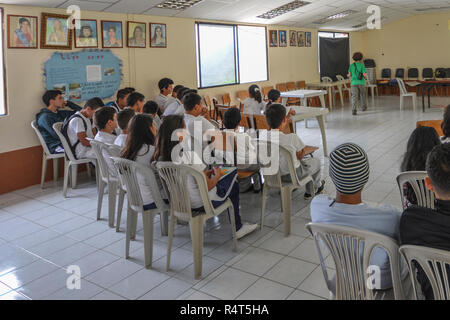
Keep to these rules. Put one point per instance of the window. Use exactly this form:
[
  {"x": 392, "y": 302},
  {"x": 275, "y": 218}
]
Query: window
[
  {"x": 2, "y": 75},
  {"x": 230, "y": 54}
]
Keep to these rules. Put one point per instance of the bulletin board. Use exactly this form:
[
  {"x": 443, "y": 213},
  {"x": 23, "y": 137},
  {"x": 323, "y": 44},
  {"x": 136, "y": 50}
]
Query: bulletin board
[{"x": 83, "y": 75}]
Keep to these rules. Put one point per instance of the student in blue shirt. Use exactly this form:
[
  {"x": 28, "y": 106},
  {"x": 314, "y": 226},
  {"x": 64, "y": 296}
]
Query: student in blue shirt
[{"x": 45, "y": 119}]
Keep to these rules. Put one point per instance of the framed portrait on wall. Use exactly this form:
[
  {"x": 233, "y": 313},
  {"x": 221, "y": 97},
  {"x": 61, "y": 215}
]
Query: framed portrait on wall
[
  {"x": 136, "y": 34},
  {"x": 273, "y": 36},
  {"x": 86, "y": 36},
  {"x": 293, "y": 38},
  {"x": 22, "y": 32},
  {"x": 283, "y": 38},
  {"x": 112, "y": 35},
  {"x": 307, "y": 39},
  {"x": 158, "y": 35},
  {"x": 301, "y": 39},
  {"x": 55, "y": 32}
]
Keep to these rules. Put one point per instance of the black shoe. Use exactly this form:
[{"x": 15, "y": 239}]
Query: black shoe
[
  {"x": 319, "y": 191},
  {"x": 354, "y": 112}
]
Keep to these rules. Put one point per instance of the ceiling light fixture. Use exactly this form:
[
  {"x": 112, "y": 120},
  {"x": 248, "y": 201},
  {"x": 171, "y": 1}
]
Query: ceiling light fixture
[
  {"x": 178, "y": 4},
  {"x": 283, "y": 9},
  {"x": 341, "y": 15}
]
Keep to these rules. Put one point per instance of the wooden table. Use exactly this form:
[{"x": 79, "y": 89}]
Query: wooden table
[{"x": 329, "y": 87}]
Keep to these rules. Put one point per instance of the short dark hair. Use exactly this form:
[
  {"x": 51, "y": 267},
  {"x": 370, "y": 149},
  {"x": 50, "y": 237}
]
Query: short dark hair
[
  {"x": 134, "y": 97},
  {"x": 50, "y": 95},
  {"x": 94, "y": 103},
  {"x": 191, "y": 100},
  {"x": 446, "y": 122},
  {"x": 122, "y": 93},
  {"x": 438, "y": 168},
  {"x": 150, "y": 107},
  {"x": 182, "y": 92},
  {"x": 130, "y": 89},
  {"x": 124, "y": 117},
  {"x": 102, "y": 116},
  {"x": 274, "y": 95},
  {"x": 357, "y": 56},
  {"x": 231, "y": 118},
  {"x": 164, "y": 83},
  {"x": 275, "y": 114},
  {"x": 177, "y": 88}
]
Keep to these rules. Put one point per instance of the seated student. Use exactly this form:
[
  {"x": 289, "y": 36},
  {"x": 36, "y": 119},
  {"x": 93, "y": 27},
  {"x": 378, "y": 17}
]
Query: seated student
[
  {"x": 274, "y": 96},
  {"x": 349, "y": 171},
  {"x": 430, "y": 227},
  {"x": 196, "y": 124},
  {"x": 80, "y": 128},
  {"x": 420, "y": 144},
  {"x": 121, "y": 100},
  {"x": 277, "y": 120},
  {"x": 176, "y": 106},
  {"x": 244, "y": 150},
  {"x": 136, "y": 101},
  {"x": 123, "y": 120},
  {"x": 140, "y": 148},
  {"x": 219, "y": 189},
  {"x": 254, "y": 104},
  {"x": 47, "y": 117},
  {"x": 446, "y": 126},
  {"x": 173, "y": 96},
  {"x": 151, "y": 108},
  {"x": 105, "y": 120},
  {"x": 165, "y": 86}
]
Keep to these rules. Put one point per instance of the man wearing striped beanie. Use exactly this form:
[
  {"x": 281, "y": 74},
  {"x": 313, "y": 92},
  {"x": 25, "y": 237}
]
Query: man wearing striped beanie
[{"x": 349, "y": 171}]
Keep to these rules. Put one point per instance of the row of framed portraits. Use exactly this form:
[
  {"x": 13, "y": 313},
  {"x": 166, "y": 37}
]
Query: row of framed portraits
[
  {"x": 278, "y": 38},
  {"x": 56, "y": 33}
]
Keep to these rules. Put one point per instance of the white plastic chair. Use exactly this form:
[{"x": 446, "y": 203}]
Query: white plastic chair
[
  {"x": 351, "y": 250},
  {"x": 416, "y": 179},
  {"x": 46, "y": 155},
  {"x": 404, "y": 93},
  {"x": 175, "y": 178},
  {"x": 333, "y": 90},
  {"x": 116, "y": 151},
  {"x": 373, "y": 89},
  {"x": 128, "y": 175},
  {"x": 274, "y": 181},
  {"x": 108, "y": 177},
  {"x": 70, "y": 162},
  {"x": 436, "y": 265},
  {"x": 344, "y": 85}
]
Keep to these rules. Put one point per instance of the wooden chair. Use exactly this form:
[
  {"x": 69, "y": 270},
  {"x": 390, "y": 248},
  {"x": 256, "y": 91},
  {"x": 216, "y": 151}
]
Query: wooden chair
[
  {"x": 261, "y": 122},
  {"x": 292, "y": 101},
  {"x": 281, "y": 87},
  {"x": 242, "y": 95},
  {"x": 221, "y": 109},
  {"x": 245, "y": 121},
  {"x": 436, "y": 124},
  {"x": 266, "y": 91},
  {"x": 226, "y": 99},
  {"x": 301, "y": 84},
  {"x": 210, "y": 106}
]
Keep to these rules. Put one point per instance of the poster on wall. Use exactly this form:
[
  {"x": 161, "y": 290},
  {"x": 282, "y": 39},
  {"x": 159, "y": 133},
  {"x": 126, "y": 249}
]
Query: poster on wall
[{"x": 84, "y": 75}]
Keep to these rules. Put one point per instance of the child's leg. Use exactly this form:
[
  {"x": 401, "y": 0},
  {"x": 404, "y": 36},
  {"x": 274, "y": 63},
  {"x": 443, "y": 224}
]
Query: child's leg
[{"x": 311, "y": 166}]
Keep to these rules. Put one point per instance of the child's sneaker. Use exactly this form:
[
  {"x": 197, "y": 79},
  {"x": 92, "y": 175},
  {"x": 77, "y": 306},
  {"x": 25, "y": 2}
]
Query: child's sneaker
[{"x": 319, "y": 191}]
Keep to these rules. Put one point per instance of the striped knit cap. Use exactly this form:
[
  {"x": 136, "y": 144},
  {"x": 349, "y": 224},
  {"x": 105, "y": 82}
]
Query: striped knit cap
[{"x": 349, "y": 168}]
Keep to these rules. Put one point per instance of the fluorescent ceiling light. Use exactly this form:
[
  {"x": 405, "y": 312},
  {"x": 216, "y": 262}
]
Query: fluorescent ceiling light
[
  {"x": 283, "y": 9},
  {"x": 341, "y": 15},
  {"x": 178, "y": 4}
]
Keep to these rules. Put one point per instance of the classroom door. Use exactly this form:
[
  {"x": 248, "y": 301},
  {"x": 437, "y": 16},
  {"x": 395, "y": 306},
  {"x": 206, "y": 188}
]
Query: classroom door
[{"x": 334, "y": 57}]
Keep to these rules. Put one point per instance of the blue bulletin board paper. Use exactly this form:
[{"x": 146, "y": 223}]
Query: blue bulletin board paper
[{"x": 84, "y": 75}]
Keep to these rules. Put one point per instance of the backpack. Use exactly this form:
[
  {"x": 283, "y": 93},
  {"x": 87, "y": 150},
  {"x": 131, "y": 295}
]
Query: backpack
[{"x": 65, "y": 128}]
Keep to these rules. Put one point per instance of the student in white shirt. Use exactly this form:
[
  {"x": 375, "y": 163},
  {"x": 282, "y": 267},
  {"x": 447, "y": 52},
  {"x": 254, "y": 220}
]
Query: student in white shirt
[
  {"x": 105, "y": 120},
  {"x": 197, "y": 126},
  {"x": 151, "y": 108},
  {"x": 140, "y": 148},
  {"x": 219, "y": 190},
  {"x": 254, "y": 104},
  {"x": 123, "y": 119},
  {"x": 176, "y": 105},
  {"x": 277, "y": 121},
  {"x": 274, "y": 96},
  {"x": 173, "y": 96},
  {"x": 446, "y": 126},
  {"x": 80, "y": 128},
  {"x": 165, "y": 86},
  {"x": 136, "y": 101},
  {"x": 121, "y": 100}
]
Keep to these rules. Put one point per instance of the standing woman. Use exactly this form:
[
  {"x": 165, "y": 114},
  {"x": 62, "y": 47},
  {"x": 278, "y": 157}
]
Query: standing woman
[{"x": 357, "y": 73}]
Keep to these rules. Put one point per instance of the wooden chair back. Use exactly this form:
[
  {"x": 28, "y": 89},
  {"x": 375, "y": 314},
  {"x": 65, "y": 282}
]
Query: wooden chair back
[
  {"x": 291, "y": 86},
  {"x": 266, "y": 91},
  {"x": 436, "y": 124},
  {"x": 281, "y": 87},
  {"x": 226, "y": 99},
  {"x": 301, "y": 84}
]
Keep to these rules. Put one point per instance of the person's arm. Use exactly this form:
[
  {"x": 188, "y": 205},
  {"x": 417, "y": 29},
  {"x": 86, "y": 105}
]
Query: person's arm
[
  {"x": 73, "y": 106},
  {"x": 301, "y": 154},
  {"x": 82, "y": 137},
  {"x": 212, "y": 177},
  {"x": 44, "y": 124}
]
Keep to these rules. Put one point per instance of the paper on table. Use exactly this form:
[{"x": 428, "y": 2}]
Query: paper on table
[{"x": 94, "y": 73}]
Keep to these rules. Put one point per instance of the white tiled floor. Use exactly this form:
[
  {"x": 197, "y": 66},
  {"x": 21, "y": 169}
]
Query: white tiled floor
[{"x": 41, "y": 232}]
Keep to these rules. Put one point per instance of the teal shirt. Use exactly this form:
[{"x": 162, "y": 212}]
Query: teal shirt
[{"x": 355, "y": 69}]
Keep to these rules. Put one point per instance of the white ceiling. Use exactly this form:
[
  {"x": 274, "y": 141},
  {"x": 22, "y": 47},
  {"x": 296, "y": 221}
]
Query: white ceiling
[{"x": 245, "y": 11}]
